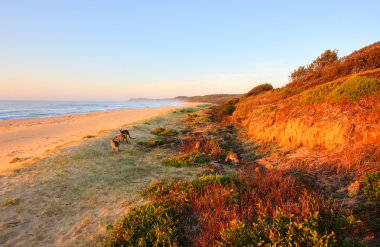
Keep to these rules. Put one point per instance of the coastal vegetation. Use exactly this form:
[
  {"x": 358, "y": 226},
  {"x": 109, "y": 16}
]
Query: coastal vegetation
[
  {"x": 295, "y": 185},
  {"x": 350, "y": 89}
]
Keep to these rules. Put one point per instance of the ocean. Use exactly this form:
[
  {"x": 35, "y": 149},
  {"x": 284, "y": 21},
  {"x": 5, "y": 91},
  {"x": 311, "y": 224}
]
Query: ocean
[{"x": 11, "y": 109}]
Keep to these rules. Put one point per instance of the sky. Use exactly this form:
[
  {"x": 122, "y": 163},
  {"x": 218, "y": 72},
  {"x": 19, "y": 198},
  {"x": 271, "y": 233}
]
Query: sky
[{"x": 115, "y": 50}]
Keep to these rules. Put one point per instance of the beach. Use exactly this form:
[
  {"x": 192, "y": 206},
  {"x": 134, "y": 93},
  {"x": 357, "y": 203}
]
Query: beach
[
  {"x": 26, "y": 140},
  {"x": 69, "y": 196}
]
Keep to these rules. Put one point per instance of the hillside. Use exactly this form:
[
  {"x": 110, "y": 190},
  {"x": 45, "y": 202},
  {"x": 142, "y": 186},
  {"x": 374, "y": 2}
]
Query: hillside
[
  {"x": 324, "y": 124},
  {"x": 294, "y": 166},
  {"x": 319, "y": 113}
]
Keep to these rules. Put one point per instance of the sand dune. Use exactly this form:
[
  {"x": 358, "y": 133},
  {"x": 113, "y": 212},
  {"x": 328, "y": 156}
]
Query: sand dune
[{"x": 24, "y": 140}]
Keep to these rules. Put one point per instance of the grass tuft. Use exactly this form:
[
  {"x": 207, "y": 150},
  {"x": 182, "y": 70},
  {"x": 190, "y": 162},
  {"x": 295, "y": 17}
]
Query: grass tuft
[
  {"x": 187, "y": 160},
  {"x": 164, "y": 132}
]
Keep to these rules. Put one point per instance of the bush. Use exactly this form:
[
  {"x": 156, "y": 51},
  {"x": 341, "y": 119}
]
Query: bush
[
  {"x": 187, "y": 110},
  {"x": 319, "y": 94},
  {"x": 151, "y": 143},
  {"x": 187, "y": 160},
  {"x": 150, "y": 225},
  {"x": 213, "y": 178},
  {"x": 228, "y": 109},
  {"x": 371, "y": 187},
  {"x": 164, "y": 188},
  {"x": 271, "y": 209},
  {"x": 259, "y": 89},
  {"x": 159, "y": 223},
  {"x": 164, "y": 132},
  {"x": 354, "y": 88},
  {"x": 279, "y": 230}
]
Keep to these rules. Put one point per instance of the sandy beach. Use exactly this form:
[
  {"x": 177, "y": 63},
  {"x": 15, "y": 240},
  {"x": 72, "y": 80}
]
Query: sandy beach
[
  {"x": 71, "y": 196},
  {"x": 25, "y": 140}
]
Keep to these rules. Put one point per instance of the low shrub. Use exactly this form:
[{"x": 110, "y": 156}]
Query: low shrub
[
  {"x": 271, "y": 209},
  {"x": 149, "y": 225},
  {"x": 319, "y": 94},
  {"x": 164, "y": 132},
  {"x": 187, "y": 160},
  {"x": 188, "y": 110},
  {"x": 228, "y": 109},
  {"x": 175, "y": 190},
  {"x": 151, "y": 143},
  {"x": 213, "y": 178},
  {"x": 224, "y": 180},
  {"x": 371, "y": 188},
  {"x": 279, "y": 230},
  {"x": 259, "y": 89},
  {"x": 354, "y": 88}
]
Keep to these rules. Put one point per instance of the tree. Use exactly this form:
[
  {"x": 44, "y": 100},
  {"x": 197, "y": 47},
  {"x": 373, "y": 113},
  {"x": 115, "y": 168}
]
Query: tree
[
  {"x": 326, "y": 58},
  {"x": 298, "y": 73}
]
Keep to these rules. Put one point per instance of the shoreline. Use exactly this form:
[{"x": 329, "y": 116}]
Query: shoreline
[{"x": 25, "y": 140}]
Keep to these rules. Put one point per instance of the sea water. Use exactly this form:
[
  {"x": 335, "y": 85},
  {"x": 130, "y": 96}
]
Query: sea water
[{"x": 10, "y": 109}]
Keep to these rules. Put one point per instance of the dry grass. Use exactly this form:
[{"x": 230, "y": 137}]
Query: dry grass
[{"x": 71, "y": 196}]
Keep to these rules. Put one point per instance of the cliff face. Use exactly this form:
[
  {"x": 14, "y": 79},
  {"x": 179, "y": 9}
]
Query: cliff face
[
  {"x": 337, "y": 121},
  {"x": 331, "y": 130},
  {"x": 326, "y": 124}
]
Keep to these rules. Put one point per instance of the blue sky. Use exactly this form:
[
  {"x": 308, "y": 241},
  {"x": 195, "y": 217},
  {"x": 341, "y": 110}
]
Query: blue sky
[{"x": 123, "y": 49}]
